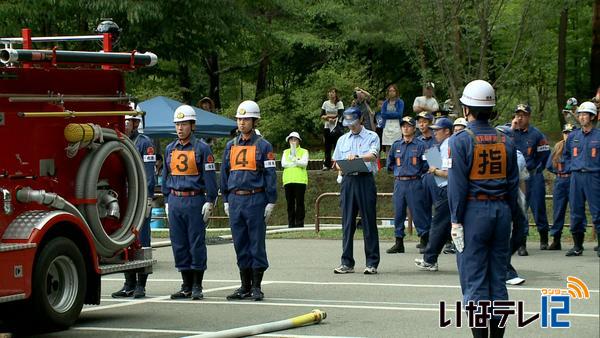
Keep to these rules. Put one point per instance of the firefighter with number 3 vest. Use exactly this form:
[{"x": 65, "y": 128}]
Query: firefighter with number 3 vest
[
  {"x": 483, "y": 188},
  {"x": 189, "y": 185},
  {"x": 248, "y": 184}
]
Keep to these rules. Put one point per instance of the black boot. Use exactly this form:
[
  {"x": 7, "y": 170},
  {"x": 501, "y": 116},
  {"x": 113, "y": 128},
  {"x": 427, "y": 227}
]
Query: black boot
[
  {"x": 197, "y": 285},
  {"x": 523, "y": 248},
  {"x": 244, "y": 290},
  {"x": 257, "y": 276},
  {"x": 128, "y": 287},
  {"x": 577, "y": 248},
  {"x": 186, "y": 287},
  {"x": 495, "y": 330},
  {"x": 543, "y": 239},
  {"x": 555, "y": 242},
  {"x": 398, "y": 247},
  {"x": 140, "y": 286},
  {"x": 423, "y": 241}
]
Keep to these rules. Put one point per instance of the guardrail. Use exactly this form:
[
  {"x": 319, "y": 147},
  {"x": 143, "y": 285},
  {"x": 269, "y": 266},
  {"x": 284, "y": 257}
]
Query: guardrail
[{"x": 318, "y": 216}]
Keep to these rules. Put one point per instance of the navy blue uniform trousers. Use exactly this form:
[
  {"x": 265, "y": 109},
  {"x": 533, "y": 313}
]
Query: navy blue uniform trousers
[
  {"x": 187, "y": 232},
  {"x": 535, "y": 194},
  {"x": 359, "y": 194},
  {"x": 482, "y": 266},
  {"x": 560, "y": 199},
  {"x": 584, "y": 187},
  {"x": 439, "y": 233},
  {"x": 248, "y": 229}
]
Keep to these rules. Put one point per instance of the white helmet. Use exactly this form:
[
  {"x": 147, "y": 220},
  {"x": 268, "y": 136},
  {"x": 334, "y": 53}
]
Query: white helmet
[
  {"x": 461, "y": 121},
  {"x": 588, "y": 107},
  {"x": 248, "y": 109},
  {"x": 134, "y": 107},
  {"x": 478, "y": 93},
  {"x": 184, "y": 113}
]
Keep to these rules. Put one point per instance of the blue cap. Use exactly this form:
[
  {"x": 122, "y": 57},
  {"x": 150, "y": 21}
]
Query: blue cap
[
  {"x": 351, "y": 115},
  {"x": 441, "y": 123},
  {"x": 409, "y": 120},
  {"x": 425, "y": 115},
  {"x": 521, "y": 107}
]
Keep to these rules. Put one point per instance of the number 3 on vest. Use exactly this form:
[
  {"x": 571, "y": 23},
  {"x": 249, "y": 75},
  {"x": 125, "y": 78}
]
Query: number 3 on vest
[{"x": 183, "y": 163}]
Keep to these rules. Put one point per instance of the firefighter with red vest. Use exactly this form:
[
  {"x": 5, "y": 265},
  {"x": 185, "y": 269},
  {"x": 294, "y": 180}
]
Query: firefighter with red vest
[
  {"x": 249, "y": 187},
  {"x": 189, "y": 185},
  {"x": 483, "y": 188}
]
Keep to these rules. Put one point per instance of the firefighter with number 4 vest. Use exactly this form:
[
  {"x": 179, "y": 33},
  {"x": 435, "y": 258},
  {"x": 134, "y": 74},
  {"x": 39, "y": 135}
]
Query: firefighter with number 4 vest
[
  {"x": 483, "y": 188},
  {"x": 248, "y": 184},
  {"x": 189, "y": 185}
]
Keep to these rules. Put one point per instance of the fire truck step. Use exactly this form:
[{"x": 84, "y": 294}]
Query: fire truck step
[
  {"x": 112, "y": 268},
  {"x": 16, "y": 246},
  {"x": 11, "y": 298}
]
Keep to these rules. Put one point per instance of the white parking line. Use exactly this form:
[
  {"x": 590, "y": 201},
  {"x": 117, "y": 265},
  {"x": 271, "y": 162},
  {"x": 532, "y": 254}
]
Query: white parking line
[
  {"x": 339, "y": 284},
  {"x": 184, "y": 332},
  {"x": 320, "y": 304}
]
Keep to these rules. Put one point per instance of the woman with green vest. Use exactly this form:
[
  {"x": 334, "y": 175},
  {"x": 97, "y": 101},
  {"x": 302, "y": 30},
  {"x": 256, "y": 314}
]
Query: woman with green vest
[{"x": 295, "y": 179}]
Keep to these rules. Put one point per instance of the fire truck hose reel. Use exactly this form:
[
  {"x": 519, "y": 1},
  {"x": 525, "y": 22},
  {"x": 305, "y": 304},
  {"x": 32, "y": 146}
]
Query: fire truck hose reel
[{"x": 87, "y": 188}]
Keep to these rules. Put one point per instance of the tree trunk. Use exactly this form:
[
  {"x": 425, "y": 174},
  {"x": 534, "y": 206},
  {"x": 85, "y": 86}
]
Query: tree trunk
[
  {"x": 484, "y": 35},
  {"x": 562, "y": 63},
  {"x": 261, "y": 82},
  {"x": 211, "y": 63},
  {"x": 595, "y": 57},
  {"x": 185, "y": 82}
]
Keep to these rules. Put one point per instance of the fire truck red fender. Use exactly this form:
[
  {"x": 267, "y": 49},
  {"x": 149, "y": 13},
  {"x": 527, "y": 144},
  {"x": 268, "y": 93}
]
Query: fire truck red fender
[{"x": 64, "y": 219}]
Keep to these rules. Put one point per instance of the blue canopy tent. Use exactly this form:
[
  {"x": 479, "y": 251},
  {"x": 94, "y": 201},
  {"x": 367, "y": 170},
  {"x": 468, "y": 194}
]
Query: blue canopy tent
[{"x": 158, "y": 121}]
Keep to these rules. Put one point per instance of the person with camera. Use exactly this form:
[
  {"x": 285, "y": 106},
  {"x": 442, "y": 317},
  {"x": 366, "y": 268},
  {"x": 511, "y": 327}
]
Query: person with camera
[
  {"x": 361, "y": 101},
  {"x": 331, "y": 112}
]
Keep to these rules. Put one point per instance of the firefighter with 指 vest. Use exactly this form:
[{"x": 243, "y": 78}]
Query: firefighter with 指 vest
[
  {"x": 248, "y": 184},
  {"x": 483, "y": 190},
  {"x": 135, "y": 284},
  {"x": 189, "y": 186}
]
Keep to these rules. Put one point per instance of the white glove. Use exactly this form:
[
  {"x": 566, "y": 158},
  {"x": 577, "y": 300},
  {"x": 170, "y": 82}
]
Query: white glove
[
  {"x": 167, "y": 210},
  {"x": 226, "y": 208},
  {"x": 268, "y": 211},
  {"x": 339, "y": 179},
  {"x": 207, "y": 209},
  {"x": 458, "y": 237}
]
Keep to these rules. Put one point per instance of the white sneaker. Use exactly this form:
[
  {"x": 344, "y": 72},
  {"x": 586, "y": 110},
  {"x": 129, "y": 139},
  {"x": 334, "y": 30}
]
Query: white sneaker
[
  {"x": 424, "y": 266},
  {"x": 515, "y": 281},
  {"x": 370, "y": 270}
]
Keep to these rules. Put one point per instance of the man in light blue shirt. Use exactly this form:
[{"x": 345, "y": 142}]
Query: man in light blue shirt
[
  {"x": 440, "y": 224},
  {"x": 358, "y": 192}
]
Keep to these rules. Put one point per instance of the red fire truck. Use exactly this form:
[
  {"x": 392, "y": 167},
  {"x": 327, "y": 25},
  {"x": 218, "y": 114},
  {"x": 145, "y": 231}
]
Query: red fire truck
[{"x": 73, "y": 187}]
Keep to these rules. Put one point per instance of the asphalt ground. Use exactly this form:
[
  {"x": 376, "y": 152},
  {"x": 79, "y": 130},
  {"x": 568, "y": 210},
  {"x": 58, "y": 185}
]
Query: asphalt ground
[{"x": 398, "y": 301}]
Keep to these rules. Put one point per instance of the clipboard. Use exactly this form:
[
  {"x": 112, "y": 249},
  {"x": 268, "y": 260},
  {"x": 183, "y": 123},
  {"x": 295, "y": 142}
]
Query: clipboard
[
  {"x": 353, "y": 166},
  {"x": 434, "y": 158}
]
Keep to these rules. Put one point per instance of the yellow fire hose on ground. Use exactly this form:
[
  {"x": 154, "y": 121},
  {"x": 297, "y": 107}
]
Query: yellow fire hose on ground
[{"x": 314, "y": 317}]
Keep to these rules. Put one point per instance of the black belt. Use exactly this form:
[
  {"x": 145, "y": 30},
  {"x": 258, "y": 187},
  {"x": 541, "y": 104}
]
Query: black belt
[
  {"x": 563, "y": 175},
  {"x": 359, "y": 174},
  {"x": 248, "y": 192},
  {"x": 406, "y": 178},
  {"x": 186, "y": 193}
]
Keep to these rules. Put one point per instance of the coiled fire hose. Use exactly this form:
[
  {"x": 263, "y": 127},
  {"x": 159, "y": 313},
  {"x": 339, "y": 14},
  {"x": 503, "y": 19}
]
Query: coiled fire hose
[{"x": 86, "y": 186}]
